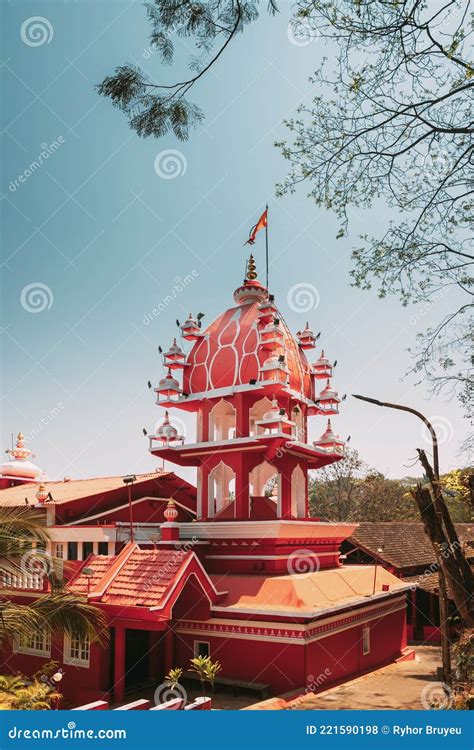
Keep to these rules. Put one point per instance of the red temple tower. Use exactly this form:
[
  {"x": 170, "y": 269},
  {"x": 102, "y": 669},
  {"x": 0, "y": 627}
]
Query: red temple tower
[{"x": 235, "y": 569}]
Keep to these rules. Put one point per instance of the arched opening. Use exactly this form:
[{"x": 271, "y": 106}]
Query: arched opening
[
  {"x": 298, "y": 493},
  {"x": 256, "y": 414},
  {"x": 222, "y": 421},
  {"x": 265, "y": 491},
  {"x": 221, "y": 488}
]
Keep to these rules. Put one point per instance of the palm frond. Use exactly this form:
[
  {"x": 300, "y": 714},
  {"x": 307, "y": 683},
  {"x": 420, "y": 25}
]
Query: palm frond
[
  {"x": 19, "y": 529},
  {"x": 17, "y": 620},
  {"x": 70, "y": 614}
]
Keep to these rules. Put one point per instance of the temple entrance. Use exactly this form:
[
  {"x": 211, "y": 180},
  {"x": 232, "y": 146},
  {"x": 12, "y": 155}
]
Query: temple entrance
[{"x": 137, "y": 659}]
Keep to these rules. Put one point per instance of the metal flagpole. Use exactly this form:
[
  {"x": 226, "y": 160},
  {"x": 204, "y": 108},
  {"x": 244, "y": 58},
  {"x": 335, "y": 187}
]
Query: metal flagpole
[{"x": 266, "y": 246}]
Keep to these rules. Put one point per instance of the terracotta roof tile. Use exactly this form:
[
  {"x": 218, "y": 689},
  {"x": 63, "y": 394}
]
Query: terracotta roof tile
[
  {"x": 139, "y": 578},
  {"x": 145, "y": 578},
  {"x": 405, "y": 545},
  {"x": 100, "y": 565},
  {"x": 71, "y": 489},
  {"x": 428, "y": 582}
]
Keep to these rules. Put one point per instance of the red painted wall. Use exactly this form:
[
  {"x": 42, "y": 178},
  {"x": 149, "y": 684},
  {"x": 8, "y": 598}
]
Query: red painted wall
[
  {"x": 79, "y": 684},
  {"x": 277, "y": 664}
]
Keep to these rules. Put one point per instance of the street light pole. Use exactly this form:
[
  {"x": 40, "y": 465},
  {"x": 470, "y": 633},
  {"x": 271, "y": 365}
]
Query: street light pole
[
  {"x": 443, "y": 595},
  {"x": 427, "y": 423},
  {"x": 128, "y": 481}
]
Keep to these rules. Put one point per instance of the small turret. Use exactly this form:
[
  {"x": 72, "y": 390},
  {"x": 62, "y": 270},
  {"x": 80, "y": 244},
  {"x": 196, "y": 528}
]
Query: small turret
[
  {"x": 190, "y": 329},
  {"x": 329, "y": 442},
  {"x": 329, "y": 400},
  {"x": 174, "y": 357},
  {"x": 306, "y": 338},
  {"x": 322, "y": 368},
  {"x": 168, "y": 388}
]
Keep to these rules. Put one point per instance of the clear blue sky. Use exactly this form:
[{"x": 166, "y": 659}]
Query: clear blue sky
[{"x": 108, "y": 237}]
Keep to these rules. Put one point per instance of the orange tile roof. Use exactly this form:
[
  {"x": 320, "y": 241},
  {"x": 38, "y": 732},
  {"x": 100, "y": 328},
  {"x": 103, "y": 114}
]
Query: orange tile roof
[
  {"x": 146, "y": 578},
  {"x": 71, "y": 489},
  {"x": 99, "y": 565},
  {"x": 135, "y": 577},
  {"x": 304, "y": 593}
]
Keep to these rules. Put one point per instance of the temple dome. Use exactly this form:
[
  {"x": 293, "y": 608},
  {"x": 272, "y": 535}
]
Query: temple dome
[
  {"x": 20, "y": 467},
  {"x": 227, "y": 353}
]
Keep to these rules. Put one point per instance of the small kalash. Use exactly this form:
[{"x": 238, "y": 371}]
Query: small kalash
[{"x": 235, "y": 568}]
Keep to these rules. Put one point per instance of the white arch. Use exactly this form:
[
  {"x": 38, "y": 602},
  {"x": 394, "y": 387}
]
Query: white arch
[
  {"x": 222, "y": 421},
  {"x": 221, "y": 487},
  {"x": 256, "y": 413}
]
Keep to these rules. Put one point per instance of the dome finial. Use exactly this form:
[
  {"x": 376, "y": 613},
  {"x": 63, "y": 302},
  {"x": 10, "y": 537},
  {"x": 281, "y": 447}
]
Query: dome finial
[{"x": 251, "y": 274}]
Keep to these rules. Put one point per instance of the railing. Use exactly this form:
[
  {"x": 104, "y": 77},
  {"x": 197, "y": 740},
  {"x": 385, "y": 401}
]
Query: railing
[{"x": 34, "y": 581}]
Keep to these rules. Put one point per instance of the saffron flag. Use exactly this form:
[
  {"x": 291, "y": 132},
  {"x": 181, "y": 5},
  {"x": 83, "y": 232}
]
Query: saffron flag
[{"x": 261, "y": 224}]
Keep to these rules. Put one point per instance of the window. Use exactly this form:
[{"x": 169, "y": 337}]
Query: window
[
  {"x": 59, "y": 551},
  {"x": 72, "y": 550},
  {"x": 201, "y": 648},
  {"x": 366, "y": 639},
  {"x": 87, "y": 549},
  {"x": 76, "y": 651},
  {"x": 38, "y": 644},
  {"x": 103, "y": 548}
]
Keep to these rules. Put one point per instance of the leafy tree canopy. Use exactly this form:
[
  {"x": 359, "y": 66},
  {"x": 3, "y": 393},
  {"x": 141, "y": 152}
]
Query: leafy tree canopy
[{"x": 390, "y": 125}]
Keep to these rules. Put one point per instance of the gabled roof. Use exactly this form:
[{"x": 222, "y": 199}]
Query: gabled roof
[
  {"x": 139, "y": 578},
  {"x": 69, "y": 490},
  {"x": 405, "y": 544}
]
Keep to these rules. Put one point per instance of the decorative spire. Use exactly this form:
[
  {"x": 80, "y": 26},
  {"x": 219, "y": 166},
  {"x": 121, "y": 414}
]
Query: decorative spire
[
  {"x": 19, "y": 452},
  {"x": 251, "y": 269}
]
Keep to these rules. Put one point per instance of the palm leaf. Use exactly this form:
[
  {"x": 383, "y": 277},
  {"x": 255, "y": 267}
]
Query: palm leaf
[
  {"x": 17, "y": 620},
  {"x": 70, "y": 614}
]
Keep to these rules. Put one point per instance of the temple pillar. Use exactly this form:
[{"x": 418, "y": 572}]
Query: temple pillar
[
  {"x": 203, "y": 493},
  {"x": 242, "y": 495},
  {"x": 241, "y": 403},
  {"x": 285, "y": 489},
  {"x": 202, "y": 432},
  {"x": 119, "y": 665}
]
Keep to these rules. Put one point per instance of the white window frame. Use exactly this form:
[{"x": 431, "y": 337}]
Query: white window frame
[
  {"x": 366, "y": 639},
  {"x": 20, "y": 648},
  {"x": 196, "y": 645},
  {"x": 59, "y": 550},
  {"x": 74, "y": 660}
]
